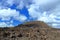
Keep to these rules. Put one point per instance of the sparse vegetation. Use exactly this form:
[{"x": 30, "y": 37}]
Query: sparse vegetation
[{"x": 30, "y": 31}]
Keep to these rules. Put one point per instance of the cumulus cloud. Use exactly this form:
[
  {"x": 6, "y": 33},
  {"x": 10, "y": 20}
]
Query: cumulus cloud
[
  {"x": 21, "y": 18},
  {"x": 7, "y": 14},
  {"x": 42, "y": 10},
  {"x": 3, "y": 24},
  {"x": 45, "y": 10},
  {"x": 41, "y": 6},
  {"x": 19, "y": 3},
  {"x": 43, "y": 2}
]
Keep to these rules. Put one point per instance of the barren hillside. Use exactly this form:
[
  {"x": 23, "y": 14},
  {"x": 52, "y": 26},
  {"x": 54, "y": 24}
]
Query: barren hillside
[{"x": 34, "y": 30}]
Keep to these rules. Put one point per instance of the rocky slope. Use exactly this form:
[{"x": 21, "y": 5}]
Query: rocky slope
[{"x": 34, "y": 30}]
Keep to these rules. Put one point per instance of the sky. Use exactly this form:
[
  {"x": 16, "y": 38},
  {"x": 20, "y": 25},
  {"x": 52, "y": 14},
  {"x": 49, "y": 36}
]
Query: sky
[{"x": 15, "y": 12}]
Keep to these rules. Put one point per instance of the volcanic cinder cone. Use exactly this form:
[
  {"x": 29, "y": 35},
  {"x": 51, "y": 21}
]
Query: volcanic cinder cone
[{"x": 34, "y": 30}]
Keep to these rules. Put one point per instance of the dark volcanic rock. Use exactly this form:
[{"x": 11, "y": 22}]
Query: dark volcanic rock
[{"x": 34, "y": 30}]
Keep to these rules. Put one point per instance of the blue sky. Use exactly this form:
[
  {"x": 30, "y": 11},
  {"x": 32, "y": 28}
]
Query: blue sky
[{"x": 14, "y": 12}]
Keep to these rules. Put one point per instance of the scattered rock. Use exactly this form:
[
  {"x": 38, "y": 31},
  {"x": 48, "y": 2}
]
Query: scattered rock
[{"x": 34, "y": 30}]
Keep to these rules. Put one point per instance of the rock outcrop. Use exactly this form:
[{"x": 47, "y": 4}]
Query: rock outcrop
[{"x": 34, "y": 30}]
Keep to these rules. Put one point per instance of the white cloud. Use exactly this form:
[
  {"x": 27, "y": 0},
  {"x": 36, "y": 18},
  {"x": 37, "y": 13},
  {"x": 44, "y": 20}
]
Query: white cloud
[
  {"x": 45, "y": 10},
  {"x": 41, "y": 5},
  {"x": 56, "y": 25},
  {"x": 43, "y": 2},
  {"x": 23, "y": 3},
  {"x": 6, "y": 14},
  {"x": 19, "y": 3},
  {"x": 33, "y": 12},
  {"x": 3, "y": 24},
  {"x": 55, "y": 14},
  {"x": 10, "y": 2},
  {"x": 21, "y": 18}
]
